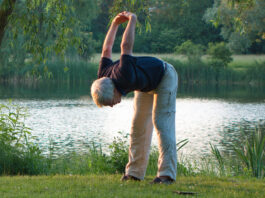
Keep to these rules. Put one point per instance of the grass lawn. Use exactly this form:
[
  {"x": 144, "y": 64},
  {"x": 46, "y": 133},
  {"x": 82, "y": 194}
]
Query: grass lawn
[
  {"x": 238, "y": 60},
  {"x": 111, "y": 186}
]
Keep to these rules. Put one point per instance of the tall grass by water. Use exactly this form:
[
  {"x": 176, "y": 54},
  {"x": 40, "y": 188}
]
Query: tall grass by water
[
  {"x": 249, "y": 70},
  {"x": 203, "y": 73},
  {"x": 70, "y": 71},
  {"x": 20, "y": 154},
  {"x": 249, "y": 155}
]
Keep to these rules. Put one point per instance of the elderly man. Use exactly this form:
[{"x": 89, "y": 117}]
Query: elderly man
[{"x": 154, "y": 83}]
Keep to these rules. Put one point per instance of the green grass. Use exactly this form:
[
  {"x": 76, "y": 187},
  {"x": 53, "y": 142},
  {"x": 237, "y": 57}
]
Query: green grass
[
  {"x": 239, "y": 61},
  {"x": 111, "y": 186},
  {"x": 244, "y": 61}
]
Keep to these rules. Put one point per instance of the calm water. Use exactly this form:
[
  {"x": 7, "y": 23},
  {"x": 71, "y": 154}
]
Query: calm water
[{"x": 71, "y": 119}]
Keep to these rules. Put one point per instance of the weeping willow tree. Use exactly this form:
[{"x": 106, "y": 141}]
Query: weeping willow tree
[
  {"x": 140, "y": 7},
  {"x": 51, "y": 26},
  {"x": 47, "y": 26}
]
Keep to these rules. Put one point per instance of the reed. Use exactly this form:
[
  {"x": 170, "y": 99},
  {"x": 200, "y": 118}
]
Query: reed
[
  {"x": 18, "y": 153},
  {"x": 73, "y": 70},
  {"x": 251, "y": 153},
  {"x": 202, "y": 73},
  {"x": 217, "y": 154}
]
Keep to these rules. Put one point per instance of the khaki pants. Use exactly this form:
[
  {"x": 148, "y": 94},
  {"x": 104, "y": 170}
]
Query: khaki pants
[{"x": 156, "y": 108}]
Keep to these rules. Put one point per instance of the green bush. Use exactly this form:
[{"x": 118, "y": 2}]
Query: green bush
[
  {"x": 119, "y": 153},
  {"x": 18, "y": 153},
  {"x": 193, "y": 51},
  {"x": 219, "y": 54}
]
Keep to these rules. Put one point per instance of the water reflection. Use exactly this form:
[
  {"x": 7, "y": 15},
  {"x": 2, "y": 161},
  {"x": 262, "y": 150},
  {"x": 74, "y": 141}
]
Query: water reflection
[
  {"x": 72, "y": 123},
  {"x": 238, "y": 132},
  {"x": 62, "y": 91}
]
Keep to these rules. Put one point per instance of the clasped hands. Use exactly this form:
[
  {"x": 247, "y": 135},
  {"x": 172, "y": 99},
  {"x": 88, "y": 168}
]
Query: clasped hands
[{"x": 123, "y": 17}]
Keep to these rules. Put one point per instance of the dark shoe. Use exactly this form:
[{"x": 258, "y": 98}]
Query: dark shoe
[
  {"x": 160, "y": 180},
  {"x": 129, "y": 177}
]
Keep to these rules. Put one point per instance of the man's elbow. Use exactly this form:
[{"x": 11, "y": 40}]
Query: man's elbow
[
  {"x": 106, "y": 52},
  {"x": 126, "y": 47}
]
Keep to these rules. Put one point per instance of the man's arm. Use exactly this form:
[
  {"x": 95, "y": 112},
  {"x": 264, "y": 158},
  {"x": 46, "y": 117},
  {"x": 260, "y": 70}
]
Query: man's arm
[
  {"x": 128, "y": 35},
  {"x": 110, "y": 37}
]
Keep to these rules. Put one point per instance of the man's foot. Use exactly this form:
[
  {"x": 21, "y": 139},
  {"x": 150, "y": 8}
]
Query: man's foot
[
  {"x": 129, "y": 177},
  {"x": 162, "y": 180}
]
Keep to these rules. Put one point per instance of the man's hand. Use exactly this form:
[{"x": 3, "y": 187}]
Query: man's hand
[
  {"x": 123, "y": 17},
  {"x": 129, "y": 15}
]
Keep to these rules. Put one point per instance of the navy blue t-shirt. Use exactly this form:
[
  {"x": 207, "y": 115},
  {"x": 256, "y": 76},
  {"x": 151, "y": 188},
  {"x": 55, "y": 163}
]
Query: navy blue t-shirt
[{"x": 132, "y": 73}]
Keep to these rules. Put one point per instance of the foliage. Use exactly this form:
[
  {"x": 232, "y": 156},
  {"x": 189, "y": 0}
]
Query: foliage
[
  {"x": 247, "y": 157},
  {"x": 193, "y": 51},
  {"x": 18, "y": 153},
  {"x": 238, "y": 43},
  {"x": 87, "y": 46},
  {"x": 86, "y": 12},
  {"x": 216, "y": 153},
  {"x": 119, "y": 153},
  {"x": 164, "y": 41},
  {"x": 252, "y": 153},
  {"x": 48, "y": 26},
  {"x": 38, "y": 30},
  {"x": 172, "y": 22},
  {"x": 186, "y": 18},
  {"x": 91, "y": 161},
  {"x": 140, "y": 7},
  {"x": 220, "y": 55},
  {"x": 240, "y": 21}
]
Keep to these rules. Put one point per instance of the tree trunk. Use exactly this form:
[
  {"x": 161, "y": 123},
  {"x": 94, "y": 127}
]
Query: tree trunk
[{"x": 6, "y": 9}]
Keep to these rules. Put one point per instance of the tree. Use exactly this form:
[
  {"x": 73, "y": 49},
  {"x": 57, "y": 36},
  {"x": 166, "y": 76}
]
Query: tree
[
  {"x": 219, "y": 54},
  {"x": 6, "y": 9},
  {"x": 140, "y": 7},
  {"x": 51, "y": 26},
  {"x": 185, "y": 16},
  {"x": 241, "y": 21},
  {"x": 193, "y": 51},
  {"x": 40, "y": 21},
  {"x": 174, "y": 22}
]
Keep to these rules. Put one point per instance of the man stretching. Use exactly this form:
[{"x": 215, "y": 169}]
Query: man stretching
[{"x": 154, "y": 83}]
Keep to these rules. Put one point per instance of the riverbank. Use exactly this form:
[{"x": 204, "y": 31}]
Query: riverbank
[
  {"x": 111, "y": 186},
  {"x": 239, "y": 151}
]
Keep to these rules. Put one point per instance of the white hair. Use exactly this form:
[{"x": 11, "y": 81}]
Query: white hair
[{"x": 102, "y": 90}]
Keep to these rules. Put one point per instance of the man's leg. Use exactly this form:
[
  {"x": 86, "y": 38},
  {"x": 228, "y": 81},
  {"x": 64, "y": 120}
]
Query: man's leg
[
  {"x": 164, "y": 122},
  {"x": 141, "y": 135}
]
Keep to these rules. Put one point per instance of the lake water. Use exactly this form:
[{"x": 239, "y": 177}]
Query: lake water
[{"x": 203, "y": 116}]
